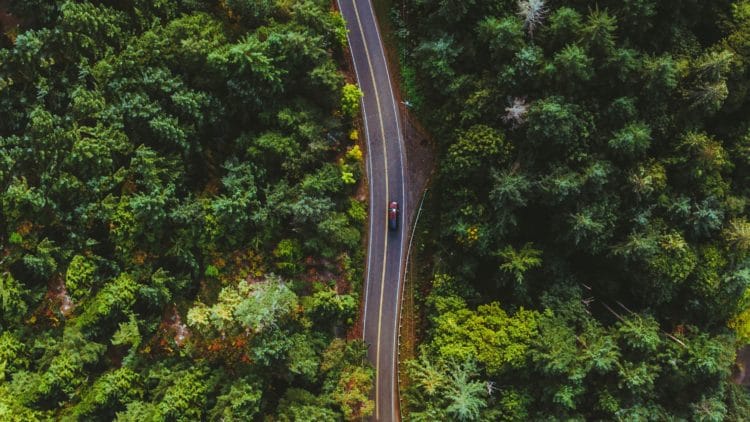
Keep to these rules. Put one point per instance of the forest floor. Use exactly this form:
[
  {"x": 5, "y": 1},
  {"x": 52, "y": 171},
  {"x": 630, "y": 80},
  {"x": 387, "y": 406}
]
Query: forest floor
[
  {"x": 741, "y": 372},
  {"x": 7, "y": 20}
]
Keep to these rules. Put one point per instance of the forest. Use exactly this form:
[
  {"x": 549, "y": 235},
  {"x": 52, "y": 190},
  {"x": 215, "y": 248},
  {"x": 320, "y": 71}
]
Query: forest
[
  {"x": 179, "y": 218},
  {"x": 587, "y": 238}
]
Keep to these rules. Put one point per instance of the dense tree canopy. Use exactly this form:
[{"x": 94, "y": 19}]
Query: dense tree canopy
[
  {"x": 589, "y": 217},
  {"x": 178, "y": 224}
]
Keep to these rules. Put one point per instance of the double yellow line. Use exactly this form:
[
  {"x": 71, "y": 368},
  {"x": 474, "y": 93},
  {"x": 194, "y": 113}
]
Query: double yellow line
[{"x": 375, "y": 207}]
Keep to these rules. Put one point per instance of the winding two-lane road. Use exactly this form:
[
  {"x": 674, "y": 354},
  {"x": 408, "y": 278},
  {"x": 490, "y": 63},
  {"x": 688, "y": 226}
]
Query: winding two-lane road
[{"x": 387, "y": 178}]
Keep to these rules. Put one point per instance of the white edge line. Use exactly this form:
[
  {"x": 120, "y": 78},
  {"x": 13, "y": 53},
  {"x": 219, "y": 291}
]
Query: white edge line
[
  {"x": 403, "y": 188},
  {"x": 404, "y": 197},
  {"x": 385, "y": 255},
  {"x": 369, "y": 177}
]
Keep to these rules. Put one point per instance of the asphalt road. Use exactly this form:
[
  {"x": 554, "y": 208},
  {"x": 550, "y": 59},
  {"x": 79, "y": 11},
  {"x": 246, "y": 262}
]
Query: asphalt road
[{"x": 387, "y": 179}]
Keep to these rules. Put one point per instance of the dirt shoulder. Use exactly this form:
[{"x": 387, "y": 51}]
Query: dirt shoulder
[
  {"x": 421, "y": 160},
  {"x": 420, "y": 147}
]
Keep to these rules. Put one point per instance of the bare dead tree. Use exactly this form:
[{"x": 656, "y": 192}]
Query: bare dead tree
[
  {"x": 491, "y": 387},
  {"x": 623, "y": 320},
  {"x": 533, "y": 13},
  {"x": 516, "y": 112}
]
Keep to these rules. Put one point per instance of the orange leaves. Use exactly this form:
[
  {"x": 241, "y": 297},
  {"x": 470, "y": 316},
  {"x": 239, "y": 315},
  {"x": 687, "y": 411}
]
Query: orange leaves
[
  {"x": 230, "y": 350},
  {"x": 215, "y": 345},
  {"x": 25, "y": 227},
  {"x": 239, "y": 342},
  {"x": 139, "y": 257}
]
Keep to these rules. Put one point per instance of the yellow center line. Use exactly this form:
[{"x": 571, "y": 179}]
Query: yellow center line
[{"x": 385, "y": 247}]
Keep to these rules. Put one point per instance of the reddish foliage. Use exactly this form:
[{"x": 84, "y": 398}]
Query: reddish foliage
[
  {"x": 215, "y": 346},
  {"x": 355, "y": 331},
  {"x": 231, "y": 351},
  {"x": 172, "y": 332},
  {"x": 57, "y": 303}
]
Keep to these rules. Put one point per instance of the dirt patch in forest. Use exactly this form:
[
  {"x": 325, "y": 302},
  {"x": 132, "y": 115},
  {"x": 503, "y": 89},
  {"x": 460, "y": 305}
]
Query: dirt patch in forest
[
  {"x": 741, "y": 370},
  {"x": 7, "y": 20},
  {"x": 421, "y": 156}
]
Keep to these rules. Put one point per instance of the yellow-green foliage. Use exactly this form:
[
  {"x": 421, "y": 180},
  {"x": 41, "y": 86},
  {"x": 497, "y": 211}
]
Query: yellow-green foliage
[
  {"x": 741, "y": 326},
  {"x": 353, "y": 391},
  {"x": 489, "y": 335},
  {"x": 348, "y": 172},
  {"x": 347, "y": 175},
  {"x": 350, "y": 96},
  {"x": 354, "y": 154},
  {"x": 357, "y": 211},
  {"x": 113, "y": 299},
  {"x": 246, "y": 306},
  {"x": 12, "y": 408},
  {"x": 288, "y": 254},
  {"x": 79, "y": 277},
  {"x": 350, "y": 165},
  {"x": 151, "y": 154},
  {"x": 12, "y": 303},
  {"x": 740, "y": 323},
  {"x": 340, "y": 28}
]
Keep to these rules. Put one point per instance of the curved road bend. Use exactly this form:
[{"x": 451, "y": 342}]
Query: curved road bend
[{"x": 386, "y": 175}]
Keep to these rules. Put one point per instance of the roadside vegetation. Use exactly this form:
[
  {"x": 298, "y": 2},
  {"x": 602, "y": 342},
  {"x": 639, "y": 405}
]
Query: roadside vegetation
[
  {"x": 590, "y": 232},
  {"x": 179, "y": 233}
]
